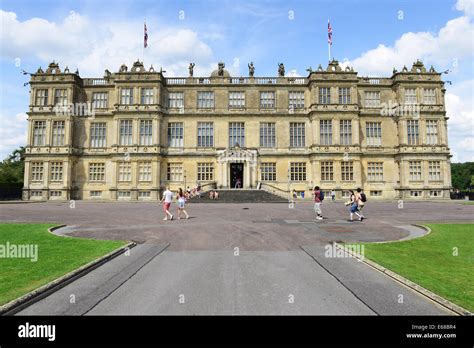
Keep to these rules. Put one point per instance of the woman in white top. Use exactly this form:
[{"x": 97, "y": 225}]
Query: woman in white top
[{"x": 181, "y": 201}]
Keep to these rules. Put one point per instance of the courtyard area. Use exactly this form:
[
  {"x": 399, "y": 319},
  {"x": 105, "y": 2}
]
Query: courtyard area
[{"x": 261, "y": 258}]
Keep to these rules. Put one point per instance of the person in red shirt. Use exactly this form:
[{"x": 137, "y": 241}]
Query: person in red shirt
[{"x": 318, "y": 199}]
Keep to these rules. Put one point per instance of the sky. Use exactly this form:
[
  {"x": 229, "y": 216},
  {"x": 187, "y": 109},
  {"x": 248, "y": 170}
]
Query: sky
[{"x": 372, "y": 36}]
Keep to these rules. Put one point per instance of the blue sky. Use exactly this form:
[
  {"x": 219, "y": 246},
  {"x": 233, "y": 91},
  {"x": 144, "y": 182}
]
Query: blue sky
[{"x": 370, "y": 35}]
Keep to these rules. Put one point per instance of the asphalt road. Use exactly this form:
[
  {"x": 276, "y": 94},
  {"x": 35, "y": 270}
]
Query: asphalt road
[
  {"x": 190, "y": 266},
  {"x": 153, "y": 280}
]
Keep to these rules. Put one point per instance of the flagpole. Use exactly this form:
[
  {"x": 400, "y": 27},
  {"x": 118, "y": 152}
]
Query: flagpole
[
  {"x": 329, "y": 43},
  {"x": 143, "y": 55}
]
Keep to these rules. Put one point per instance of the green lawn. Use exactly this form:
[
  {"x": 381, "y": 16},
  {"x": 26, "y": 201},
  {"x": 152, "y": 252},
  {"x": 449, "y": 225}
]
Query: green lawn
[
  {"x": 429, "y": 261},
  {"x": 56, "y": 257}
]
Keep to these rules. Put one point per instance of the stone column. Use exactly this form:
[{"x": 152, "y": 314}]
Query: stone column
[
  {"x": 356, "y": 132},
  {"x": 246, "y": 175}
]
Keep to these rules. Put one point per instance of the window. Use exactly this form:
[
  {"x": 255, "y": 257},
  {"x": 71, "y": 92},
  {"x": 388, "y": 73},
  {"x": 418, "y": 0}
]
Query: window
[
  {"x": 36, "y": 171},
  {"x": 372, "y": 99},
  {"x": 124, "y": 171},
  {"x": 415, "y": 170},
  {"x": 434, "y": 170},
  {"x": 125, "y": 132},
  {"x": 296, "y": 100},
  {"x": 205, "y": 100},
  {"x": 124, "y": 194},
  {"x": 236, "y": 134},
  {"x": 41, "y": 97},
  {"x": 176, "y": 100},
  {"x": 267, "y": 100},
  {"x": 429, "y": 96},
  {"x": 36, "y": 193},
  {"x": 60, "y": 97},
  {"x": 267, "y": 134},
  {"x": 146, "y": 131},
  {"x": 96, "y": 172},
  {"x": 144, "y": 194},
  {"x": 325, "y": 132},
  {"x": 297, "y": 134},
  {"x": 236, "y": 100},
  {"x": 39, "y": 133},
  {"x": 344, "y": 95},
  {"x": 100, "y": 100},
  {"x": 56, "y": 171},
  {"x": 375, "y": 171},
  {"x": 436, "y": 193},
  {"x": 412, "y": 132},
  {"x": 345, "y": 132},
  {"x": 376, "y": 193},
  {"x": 205, "y": 134},
  {"x": 98, "y": 134},
  {"x": 95, "y": 193},
  {"x": 205, "y": 171},
  {"x": 268, "y": 171},
  {"x": 324, "y": 95},
  {"x": 175, "y": 134},
  {"x": 410, "y": 96},
  {"x": 432, "y": 132},
  {"x": 416, "y": 193},
  {"x": 347, "y": 171},
  {"x": 175, "y": 172},
  {"x": 147, "y": 96},
  {"x": 58, "y": 133},
  {"x": 127, "y": 96},
  {"x": 327, "y": 171},
  {"x": 144, "y": 171},
  {"x": 55, "y": 193},
  {"x": 373, "y": 133},
  {"x": 297, "y": 171}
]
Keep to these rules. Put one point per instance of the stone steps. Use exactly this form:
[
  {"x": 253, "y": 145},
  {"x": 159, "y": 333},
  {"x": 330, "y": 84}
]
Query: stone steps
[{"x": 240, "y": 196}]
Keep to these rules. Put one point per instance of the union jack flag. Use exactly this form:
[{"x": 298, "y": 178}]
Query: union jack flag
[
  {"x": 329, "y": 33},
  {"x": 145, "y": 38}
]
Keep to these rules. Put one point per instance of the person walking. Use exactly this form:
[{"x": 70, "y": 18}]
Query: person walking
[
  {"x": 333, "y": 195},
  {"x": 353, "y": 206},
  {"x": 318, "y": 199},
  {"x": 361, "y": 202},
  {"x": 181, "y": 202},
  {"x": 166, "y": 200}
]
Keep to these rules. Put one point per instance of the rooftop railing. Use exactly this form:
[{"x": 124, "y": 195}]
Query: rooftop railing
[
  {"x": 237, "y": 80},
  {"x": 95, "y": 82}
]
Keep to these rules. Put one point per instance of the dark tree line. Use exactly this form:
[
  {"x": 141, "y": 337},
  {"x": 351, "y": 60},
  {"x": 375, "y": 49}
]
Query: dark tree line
[
  {"x": 13, "y": 167},
  {"x": 462, "y": 176}
]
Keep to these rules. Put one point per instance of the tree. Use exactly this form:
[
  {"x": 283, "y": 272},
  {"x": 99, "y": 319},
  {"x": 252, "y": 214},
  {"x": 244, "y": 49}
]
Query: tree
[
  {"x": 12, "y": 169},
  {"x": 462, "y": 175}
]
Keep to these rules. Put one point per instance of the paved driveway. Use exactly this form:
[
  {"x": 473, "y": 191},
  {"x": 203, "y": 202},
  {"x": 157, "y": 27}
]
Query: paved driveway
[{"x": 235, "y": 259}]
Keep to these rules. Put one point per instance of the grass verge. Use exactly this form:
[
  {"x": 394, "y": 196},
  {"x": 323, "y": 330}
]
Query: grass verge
[
  {"x": 56, "y": 256},
  {"x": 442, "y": 262}
]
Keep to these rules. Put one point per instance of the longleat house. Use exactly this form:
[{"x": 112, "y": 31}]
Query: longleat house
[{"x": 127, "y": 135}]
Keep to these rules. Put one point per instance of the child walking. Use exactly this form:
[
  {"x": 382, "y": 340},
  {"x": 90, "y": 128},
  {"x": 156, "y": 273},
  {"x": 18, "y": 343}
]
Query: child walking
[
  {"x": 181, "y": 202},
  {"x": 166, "y": 200}
]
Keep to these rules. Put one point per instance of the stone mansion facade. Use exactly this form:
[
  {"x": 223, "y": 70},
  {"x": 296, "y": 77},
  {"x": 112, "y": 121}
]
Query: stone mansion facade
[{"x": 130, "y": 133}]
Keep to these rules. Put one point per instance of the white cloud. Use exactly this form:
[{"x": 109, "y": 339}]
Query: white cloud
[
  {"x": 93, "y": 47},
  {"x": 452, "y": 43},
  {"x": 466, "y": 6},
  {"x": 13, "y": 133},
  {"x": 460, "y": 110}
]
